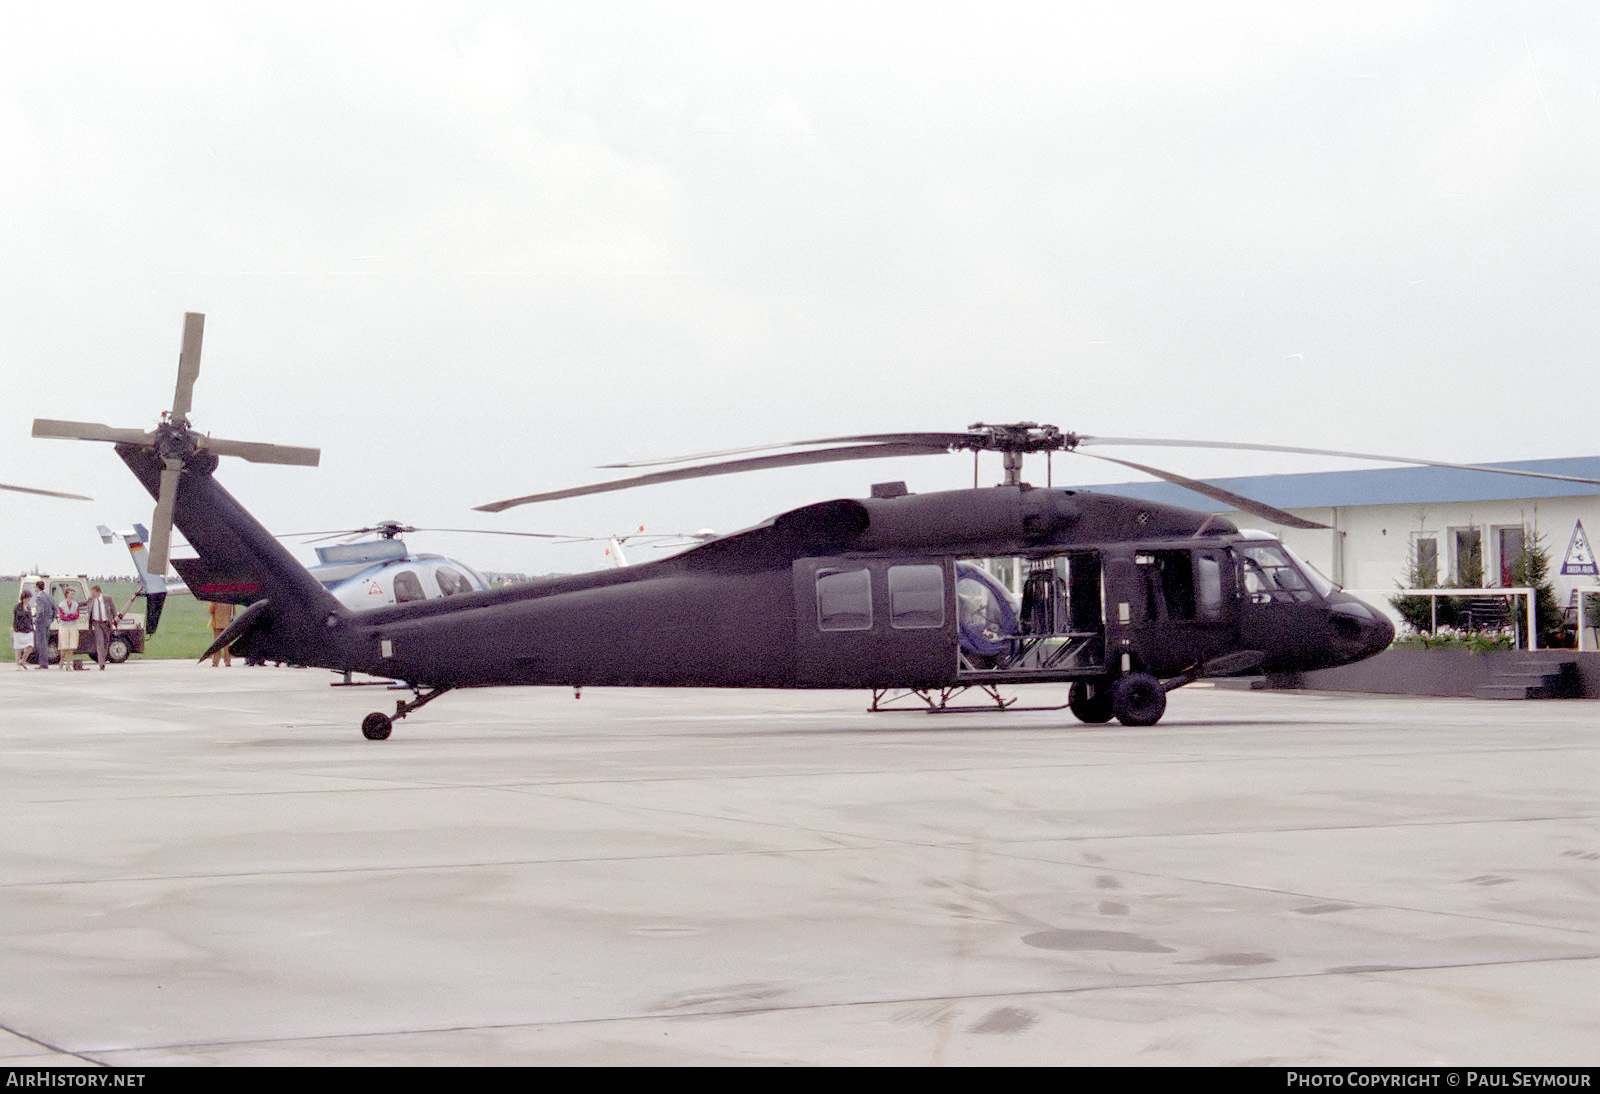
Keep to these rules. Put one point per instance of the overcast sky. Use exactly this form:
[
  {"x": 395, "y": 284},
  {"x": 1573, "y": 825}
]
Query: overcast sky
[{"x": 470, "y": 250}]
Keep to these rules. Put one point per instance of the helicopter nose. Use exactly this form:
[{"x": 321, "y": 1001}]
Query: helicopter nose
[{"x": 1359, "y": 630}]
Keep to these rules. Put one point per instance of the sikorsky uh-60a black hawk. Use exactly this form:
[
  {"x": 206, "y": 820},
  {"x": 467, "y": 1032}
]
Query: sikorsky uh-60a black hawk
[{"x": 1122, "y": 600}]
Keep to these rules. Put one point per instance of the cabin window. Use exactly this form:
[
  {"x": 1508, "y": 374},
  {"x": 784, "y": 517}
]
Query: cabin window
[
  {"x": 407, "y": 587},
  {"x": 451, "y": 582},
  {"x": 916, "y": 596},
  {"x": 844, "y": 600},
  {"x": 1169, "y": 584},
  {"x": 1208, "y": 584}
]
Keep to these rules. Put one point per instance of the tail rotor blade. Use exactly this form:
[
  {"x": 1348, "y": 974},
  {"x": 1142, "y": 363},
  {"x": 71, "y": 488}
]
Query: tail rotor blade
[
  {"x": 88, "y": 431},
  {"x": 161, "y": 523},
  {"x": 261, "y": 452},
  {"x": 194, "y": 328}
]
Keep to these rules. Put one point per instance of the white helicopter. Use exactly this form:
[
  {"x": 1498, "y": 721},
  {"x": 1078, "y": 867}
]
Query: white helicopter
[{"x": 367, "y": 573}]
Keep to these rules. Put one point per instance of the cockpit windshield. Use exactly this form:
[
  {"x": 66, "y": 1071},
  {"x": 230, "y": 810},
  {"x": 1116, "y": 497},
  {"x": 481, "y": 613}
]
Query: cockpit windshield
[{"x": 1319, "y": 580}]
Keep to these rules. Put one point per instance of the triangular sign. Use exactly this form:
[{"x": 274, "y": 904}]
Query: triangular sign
[{"x": 1580, "y": 556}]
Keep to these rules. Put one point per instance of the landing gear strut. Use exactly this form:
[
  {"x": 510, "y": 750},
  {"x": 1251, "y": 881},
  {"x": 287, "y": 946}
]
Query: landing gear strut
[{"x": 378, "y": 725}]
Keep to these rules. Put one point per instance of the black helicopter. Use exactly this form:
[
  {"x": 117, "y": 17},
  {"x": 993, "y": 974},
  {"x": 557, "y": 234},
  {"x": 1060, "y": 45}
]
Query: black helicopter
[{"x": 1123, "y": 600}]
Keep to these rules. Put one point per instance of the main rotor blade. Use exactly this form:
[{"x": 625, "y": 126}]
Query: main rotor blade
[
  {"x": 161, "y": 522},
  {"x": 45, "y": 493},
  {"x": 946, "y": 441},
  {"x": 758, "y": 463},
  {"x": 1242, "y": 446},
  {"x": 194, "y": 328},
  {"x": 89, "y": 431},
  {"x": 1227, "y": 497},
  {"x": 260, "y": 452}
]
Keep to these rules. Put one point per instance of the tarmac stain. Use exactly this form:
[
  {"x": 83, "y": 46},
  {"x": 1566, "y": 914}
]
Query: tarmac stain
[
  {"x": 1239, "y": 959},
  {"x": 1324, "y": 909},
  {"x": 734, "y": 995},
  {"x": 1004, "y": 1020},
  {"x": 1119, "y": 941},
  {"x": 1107, "y": 881},
  {"x": 1112, "y": 907}
]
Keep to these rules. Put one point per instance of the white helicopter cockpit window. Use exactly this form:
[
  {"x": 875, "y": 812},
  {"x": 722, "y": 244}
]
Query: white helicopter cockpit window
[
  {"x": 844, "y": 600},
  {"x": 407, "y": 587},
  {"x": 916, "y": 596},
  {"x": 451, "y": 582},
  {"x": 1267, "y": 573}
]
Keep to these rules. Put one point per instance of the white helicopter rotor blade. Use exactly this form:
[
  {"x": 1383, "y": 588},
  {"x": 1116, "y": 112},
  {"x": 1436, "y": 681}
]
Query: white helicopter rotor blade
[
  {"x": 45, "y": 493},
  {"x": 194, "y": 328},
  {"x": 261, "y": 452},
  {"x": 161, "y": 522},
  {"x": 89, "y": 431}
]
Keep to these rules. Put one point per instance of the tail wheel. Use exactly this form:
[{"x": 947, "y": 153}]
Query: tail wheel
[
  {"x": 1090, "y": 700},
  {"x": 1138, "y": 699},
  {"x": 376, "y": 726}
]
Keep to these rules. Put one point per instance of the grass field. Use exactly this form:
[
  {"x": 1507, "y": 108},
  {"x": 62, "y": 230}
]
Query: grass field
[{"x": 184, "y": 631}]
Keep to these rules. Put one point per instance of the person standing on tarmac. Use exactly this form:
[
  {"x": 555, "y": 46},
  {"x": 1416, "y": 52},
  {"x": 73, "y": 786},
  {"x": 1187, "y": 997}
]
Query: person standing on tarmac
[
  {"x": 102, "y": 614},
  {"x": 22, "y": 629},
  {"x": 69, "y": 624},
  {"x": 221, "y": 616},
  {"x": 44, "y": 614}
]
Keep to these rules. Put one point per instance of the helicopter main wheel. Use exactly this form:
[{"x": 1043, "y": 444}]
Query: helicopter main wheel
[
  {"x": 1138, "y": 699},
  {"x": 1090, "y": 701},
  {"x": 376, "y": 726}
]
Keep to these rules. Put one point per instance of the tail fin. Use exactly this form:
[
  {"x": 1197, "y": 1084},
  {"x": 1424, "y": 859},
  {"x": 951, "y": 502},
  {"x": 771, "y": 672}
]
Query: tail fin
[
  {"x": 240, "y": 561},
  {"x": 153, "y": 603}
]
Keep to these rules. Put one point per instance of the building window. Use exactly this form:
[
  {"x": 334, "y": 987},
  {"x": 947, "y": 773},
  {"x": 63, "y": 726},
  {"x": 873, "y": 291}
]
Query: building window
[
  {"x": 1468, "y": 568},
  {"x": 1426, "y": 572}
]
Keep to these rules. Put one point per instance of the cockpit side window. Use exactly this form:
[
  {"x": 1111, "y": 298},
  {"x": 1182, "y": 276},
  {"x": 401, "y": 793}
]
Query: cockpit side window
[
  {"x": 451, "y": 582},
  {"x": 1266, "y": 573}
]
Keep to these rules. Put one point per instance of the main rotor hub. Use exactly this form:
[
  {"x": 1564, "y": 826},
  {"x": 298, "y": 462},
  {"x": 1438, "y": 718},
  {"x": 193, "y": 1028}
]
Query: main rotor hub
[
  {"x": 1019, "y": 437},
  {"x": 174, "y": 440}
]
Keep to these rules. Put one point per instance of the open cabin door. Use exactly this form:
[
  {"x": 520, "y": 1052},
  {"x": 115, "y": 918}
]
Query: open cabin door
[
  {"x": 1054, "y": 631},
  {"x": 874, "y": 622}
]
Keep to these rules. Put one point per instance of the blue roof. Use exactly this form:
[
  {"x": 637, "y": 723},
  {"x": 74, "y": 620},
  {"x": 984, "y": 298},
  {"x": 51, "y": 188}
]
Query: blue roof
[{"x": 1383, "y": 486}]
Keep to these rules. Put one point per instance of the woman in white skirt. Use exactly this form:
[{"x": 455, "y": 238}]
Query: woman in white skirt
[
  {"x": 22, "y": 629},
  {"x": 69, "y": 622}
]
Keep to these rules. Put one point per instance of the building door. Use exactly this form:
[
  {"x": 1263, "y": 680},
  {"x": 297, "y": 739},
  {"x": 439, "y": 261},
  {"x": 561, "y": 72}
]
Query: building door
[{"x": 1511, "y": 542}]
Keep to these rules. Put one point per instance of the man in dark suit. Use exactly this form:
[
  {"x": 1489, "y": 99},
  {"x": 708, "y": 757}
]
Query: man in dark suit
[
  {"x": 44, "y": 614},
  {"x": 102, "y": 614}
]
